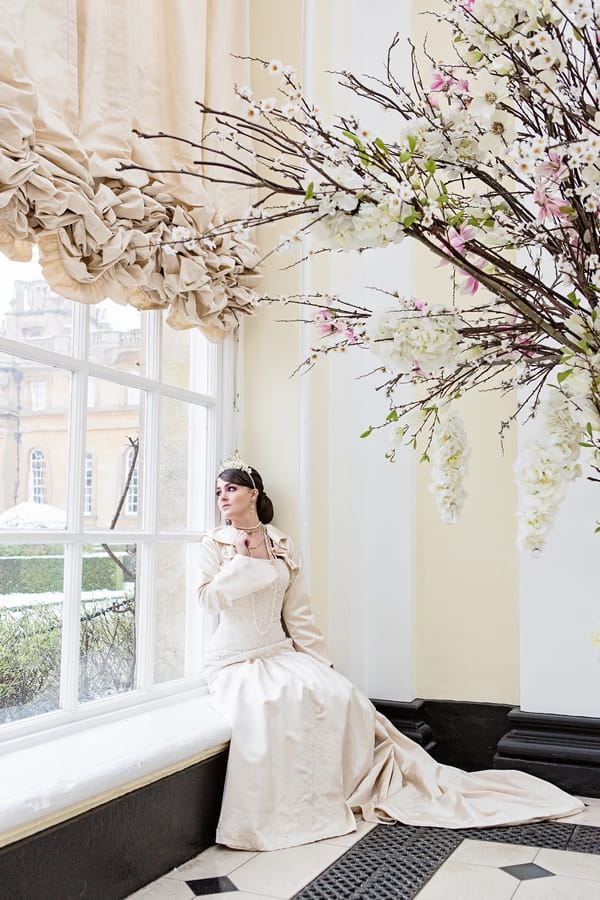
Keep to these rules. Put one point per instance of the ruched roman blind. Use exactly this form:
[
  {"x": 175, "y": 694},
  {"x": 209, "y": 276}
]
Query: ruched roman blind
[{"x": 78, "y": 76}]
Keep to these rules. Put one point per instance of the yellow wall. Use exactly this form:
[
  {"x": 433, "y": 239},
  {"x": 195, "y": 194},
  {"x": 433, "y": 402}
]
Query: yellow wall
[{"x": 467, "y": 640}]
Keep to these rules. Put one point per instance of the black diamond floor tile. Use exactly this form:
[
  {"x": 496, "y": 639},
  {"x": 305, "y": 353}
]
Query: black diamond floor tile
[
  {"x": 393, "y": 862},
  {"x": 219, "y": 885},
  {"x": 526, "y": 871}
]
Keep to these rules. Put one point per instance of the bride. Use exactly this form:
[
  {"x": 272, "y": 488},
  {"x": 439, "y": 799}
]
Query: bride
[{"x": 308, "y": 750}]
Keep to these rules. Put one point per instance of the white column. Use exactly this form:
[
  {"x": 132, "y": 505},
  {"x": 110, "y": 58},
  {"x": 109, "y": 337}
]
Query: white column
[
  {"x": 560, "y": 610},
  {"x": 371, "y": 501}
]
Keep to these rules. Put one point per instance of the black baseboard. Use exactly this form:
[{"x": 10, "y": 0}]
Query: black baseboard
[
  {"x": 116, "y": 848},
  {"x": 562, "y": 749},
  {"x": 455, "y": 733},
  {"x": 409, "y": 718}
]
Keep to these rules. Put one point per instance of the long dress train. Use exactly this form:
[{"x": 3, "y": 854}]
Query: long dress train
[{"x": 308, "y": 749}]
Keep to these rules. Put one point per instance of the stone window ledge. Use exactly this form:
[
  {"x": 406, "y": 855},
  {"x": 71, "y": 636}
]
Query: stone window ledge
[{"x": 68, "y": 773}]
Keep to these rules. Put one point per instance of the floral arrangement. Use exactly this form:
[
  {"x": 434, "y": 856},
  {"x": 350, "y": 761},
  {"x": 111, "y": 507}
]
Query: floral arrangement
[{"x": 492, "y": 163}]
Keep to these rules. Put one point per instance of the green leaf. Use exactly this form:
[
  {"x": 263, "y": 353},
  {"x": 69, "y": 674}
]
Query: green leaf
[
  {"x": 367, "y": 432},
  {"x": 411, "y": 219},
  {"x": 424, "y": 458},
  {"x": 405, "y": 156},
  {"x": 412, "y": 143},
  {"x": 589, "y": 429},
  {"x": 430, "y": 166},
  {"x": 382, "y": 145},
  {"x": 353, "y": 137},
  {"x": 392, "y": 416},
  {"x": 562, "y": 375},
  {"x": 364, "y": 157},
  {"x": 572, "y": 297},
  {"x": 310, "y": 190}
]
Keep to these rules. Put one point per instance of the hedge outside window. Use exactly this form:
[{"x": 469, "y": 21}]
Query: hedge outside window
[{"x": 97, "y": 581}]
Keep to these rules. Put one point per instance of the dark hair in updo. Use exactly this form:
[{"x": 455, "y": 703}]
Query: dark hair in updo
[{"x": 264, "y": 507}]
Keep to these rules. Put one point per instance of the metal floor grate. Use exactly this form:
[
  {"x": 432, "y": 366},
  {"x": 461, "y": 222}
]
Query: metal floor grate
[{"x": 393, "y": 862}]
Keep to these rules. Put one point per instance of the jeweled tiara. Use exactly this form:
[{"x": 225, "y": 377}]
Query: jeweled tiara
[{"x": 235, "y": 461}]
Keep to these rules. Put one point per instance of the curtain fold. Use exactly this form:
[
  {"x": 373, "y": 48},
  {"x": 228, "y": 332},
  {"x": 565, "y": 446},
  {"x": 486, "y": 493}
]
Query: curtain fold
[{"x": 78, "y": 76}]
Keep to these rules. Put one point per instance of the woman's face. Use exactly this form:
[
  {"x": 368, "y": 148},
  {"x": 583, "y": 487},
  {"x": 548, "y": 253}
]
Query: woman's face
[{"x": 234, "y": 500}]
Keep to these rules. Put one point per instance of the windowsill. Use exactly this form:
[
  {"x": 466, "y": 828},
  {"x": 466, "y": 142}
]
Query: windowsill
[{"x": 68, "y": 773}]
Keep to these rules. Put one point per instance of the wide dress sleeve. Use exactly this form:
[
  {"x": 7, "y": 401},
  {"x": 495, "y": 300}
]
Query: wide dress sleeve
[
  {"x": 224, "y": 581},
  {"x": 298, "y": 619}
]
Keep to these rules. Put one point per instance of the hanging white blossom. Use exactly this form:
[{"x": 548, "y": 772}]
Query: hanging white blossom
[
  {"x": 449, "y": 455},
  {"x": 546, "y": 466}
]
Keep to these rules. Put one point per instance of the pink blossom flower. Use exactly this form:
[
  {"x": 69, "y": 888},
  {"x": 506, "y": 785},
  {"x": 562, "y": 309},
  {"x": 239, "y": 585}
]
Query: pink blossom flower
[
  {"x": 471, "y": 284},
  {"x": 555, "y": 169},
  {"x": 433, "y": 101},
  {"x": 439, "y": 83},
  {"x": 468, "y": 5},
  {"x": 420, "y": 304},
  {"x": 548, "y": 206},
  {"x": 459, "y": 237}
]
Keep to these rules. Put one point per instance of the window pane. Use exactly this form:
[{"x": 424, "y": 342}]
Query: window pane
[
  {"x": 113, "y": 434},
  {"x": 173, "y": 585},
  {"x": 116, "y": 336},
  {"x": 188, "y": 360},
  {"x": 33, "y": 313},
  {"x": 180, "y": 500},
  {"x": 34, "y": 409},
  {"x": 31, "y": 602},
  {"x": 107, "y": 641}
]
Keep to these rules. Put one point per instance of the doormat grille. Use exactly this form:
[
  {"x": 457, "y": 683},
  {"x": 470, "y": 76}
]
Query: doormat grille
[{"x": 393, "y": 862}]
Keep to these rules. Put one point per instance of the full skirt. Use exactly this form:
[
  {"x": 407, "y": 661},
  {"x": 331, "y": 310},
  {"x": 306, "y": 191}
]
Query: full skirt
[{"x": 309, "y": 750}]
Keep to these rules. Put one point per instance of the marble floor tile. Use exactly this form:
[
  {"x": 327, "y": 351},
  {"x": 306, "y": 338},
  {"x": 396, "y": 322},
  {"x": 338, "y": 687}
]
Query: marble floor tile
[
  {"x": 281, "y": 873},
  {"x": 216, "y": 860},
  {"x": 575, "y": 865},
  {"x": 460, "y": 881},
  {"x": 557, "y": 888},
  {"x": 237, "y": 895},
  {"x": 488, "y": 853},
  {"x": 589, "y": 816},
  {"x": 165, "y": 888},
  {"x": 348, "y": 840}
]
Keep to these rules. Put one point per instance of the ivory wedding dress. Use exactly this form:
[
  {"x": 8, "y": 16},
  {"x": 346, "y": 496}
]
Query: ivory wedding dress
[{"x": 308, "y": 750}]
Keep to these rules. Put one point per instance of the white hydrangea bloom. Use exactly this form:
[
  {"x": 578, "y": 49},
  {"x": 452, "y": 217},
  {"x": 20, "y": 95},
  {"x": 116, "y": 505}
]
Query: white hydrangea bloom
[
  {"x": 449, "y": 455},
  {"x": 407, "y": 339},
  {"x": 545, "y": 467}
]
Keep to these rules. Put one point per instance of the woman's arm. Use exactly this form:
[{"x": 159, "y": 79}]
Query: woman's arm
[{"x": 223, "y": 581}]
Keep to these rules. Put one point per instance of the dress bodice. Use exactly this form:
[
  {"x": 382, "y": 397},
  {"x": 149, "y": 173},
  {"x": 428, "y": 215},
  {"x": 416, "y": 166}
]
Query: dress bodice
[{"x": 251, "y": 622}]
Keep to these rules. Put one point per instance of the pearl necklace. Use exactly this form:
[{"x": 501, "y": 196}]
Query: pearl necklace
[{"x": 264, "y": 537}]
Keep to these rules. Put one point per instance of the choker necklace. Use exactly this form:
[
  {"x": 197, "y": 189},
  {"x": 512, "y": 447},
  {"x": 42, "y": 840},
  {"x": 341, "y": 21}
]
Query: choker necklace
[{"x": 252, "y": 528}]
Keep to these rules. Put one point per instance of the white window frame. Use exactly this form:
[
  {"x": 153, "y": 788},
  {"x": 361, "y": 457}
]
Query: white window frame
[
  {"x": 220, "y": 400},
  {"x": 37, "y": 476}
]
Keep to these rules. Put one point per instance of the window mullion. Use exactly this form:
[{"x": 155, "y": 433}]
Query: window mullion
[
  {"x": 73, "y": 550},
  {"x": 150, "y": 473}
]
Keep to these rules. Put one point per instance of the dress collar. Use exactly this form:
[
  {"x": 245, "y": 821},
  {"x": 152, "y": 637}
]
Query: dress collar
[{"x": 226, "y": 534}]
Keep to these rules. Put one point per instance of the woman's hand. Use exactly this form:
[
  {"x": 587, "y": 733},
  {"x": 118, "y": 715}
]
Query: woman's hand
[{"x": 241, "y": 543}]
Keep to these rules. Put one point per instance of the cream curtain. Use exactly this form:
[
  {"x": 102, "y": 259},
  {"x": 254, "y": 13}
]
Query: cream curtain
[{"x": 77, "y": 76}]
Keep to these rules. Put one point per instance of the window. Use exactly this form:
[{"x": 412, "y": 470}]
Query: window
[
  {"x": 101, "y": 579},
  {"x": 131, "y": 481},
  {"x": 37, "y": 477},
  {"x": 39, "y": 395},
  {"x": 88, "y": 482}
]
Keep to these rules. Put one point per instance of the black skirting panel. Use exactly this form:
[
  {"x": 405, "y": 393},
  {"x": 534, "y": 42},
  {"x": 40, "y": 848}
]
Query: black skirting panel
[
  {"x": 116, "y": 848},
  {"x": 564, "y": 750}
]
